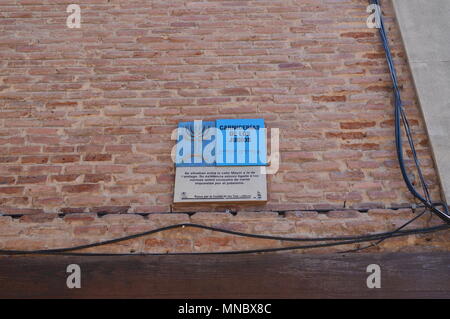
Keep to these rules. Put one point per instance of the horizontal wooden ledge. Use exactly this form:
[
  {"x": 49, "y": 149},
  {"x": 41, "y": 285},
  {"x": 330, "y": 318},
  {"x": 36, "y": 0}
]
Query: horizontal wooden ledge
[{"x": 282, "y": 275}]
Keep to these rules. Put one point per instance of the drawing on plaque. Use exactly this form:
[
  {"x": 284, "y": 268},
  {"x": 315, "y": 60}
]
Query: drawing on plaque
[{"x": 219, "y": 161}]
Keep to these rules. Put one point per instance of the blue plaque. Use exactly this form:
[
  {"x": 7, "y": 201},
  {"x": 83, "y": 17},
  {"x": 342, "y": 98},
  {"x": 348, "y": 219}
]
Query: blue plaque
[
  {"x": 219, "y": 161},
  {"x": 234, "y": 142}
]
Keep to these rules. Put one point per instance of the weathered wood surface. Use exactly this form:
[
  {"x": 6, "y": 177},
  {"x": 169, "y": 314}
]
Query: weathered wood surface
[{"x": 424, "y": 275}]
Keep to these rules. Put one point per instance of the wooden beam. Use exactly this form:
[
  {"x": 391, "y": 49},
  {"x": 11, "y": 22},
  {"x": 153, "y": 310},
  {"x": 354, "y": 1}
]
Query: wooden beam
[{"x": 425, "y": 275}]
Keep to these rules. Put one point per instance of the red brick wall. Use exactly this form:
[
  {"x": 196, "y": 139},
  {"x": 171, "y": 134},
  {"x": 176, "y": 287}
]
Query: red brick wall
[{"x": 86, "y": 114}]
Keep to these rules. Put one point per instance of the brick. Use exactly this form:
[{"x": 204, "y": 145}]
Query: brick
[
  {"x": 390, "y": 213},
  {"x": 257, "y": 215},
  {"x": 214, "y": 243},
  {"x": 4, "y": 180},
  {"x": 65, "y": 159},
  {"x": 9, "y": 159},
  {"x": 301, "y": 215},
  {"x": 97, "y": 157},
  {"x": 5, "y": 220},
  {"x": 321, "y": 166},
  {"x": 146, "y": 209},
  {"x": 58, "y": 149},
  {"x": 12, "y": 141},
  {"x": 20, "y": 211},
  {"x": 374, "y": 195},
  {"x": 65, "y": 178},
  {"x": 347, "y": 176},
  {"x": 31, "y": 179},
  {"x": 110, "y": 209},
  {"x": 78, "y": 169},
  {"x": 213, "y": 101},
  {"x": 169, "y": 219},
  {"x": 362, "y": 146},
  {"x": 344, "y": 214},
  {"x": 118, "y": 148},
  {"x": 81, "y": 188},
  {"x": 80, "y": 218},
  {"x": 292, "y": 66},
  {"x": 131, "y": 220},
  {"x": 25, "y": 150},
  {"x": 210, "y": 217},
  {"x": 38, "y": 218},
  {"x": 356, "y": 125},
  {"x": 132, "y": 159},
  {"x": 235, "y": 91},
  {"x": 329, "y": 98},
  {"x": 358, "y": 35},
  {"x": 90, "y": 230},
  {"x": 107, "y": 169},
  {"x": 11, "y": 190},
  {"x": 95, "y": 178},
  {"x": 362, "y": 164},
  {"x": 34, "y": 159},
  {"x": 54, "y": 202},
  {"x": 347, "y": 135},
  {"x": 122, "y": 131},
  {"x": 89, "y": 148},
  {"x": 342, "y": 155}
]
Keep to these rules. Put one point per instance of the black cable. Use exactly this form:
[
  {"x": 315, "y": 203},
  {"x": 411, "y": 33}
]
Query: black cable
[
  {"x": 387, "y": 237},
  {"x": 400, "y": 116},
  {"x": 253, "y": 251},
  {"x": 415, "y": 157},
  {"x": 337, "y": 240}
]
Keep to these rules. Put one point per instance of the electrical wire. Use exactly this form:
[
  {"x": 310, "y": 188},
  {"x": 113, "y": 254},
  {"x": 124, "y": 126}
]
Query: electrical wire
[
  {"x": 388, "y": 236},
  {"x": 400, "y": 116},
  {"x": 336, "y": 241},
  {"x": 256, "y": 251}
]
